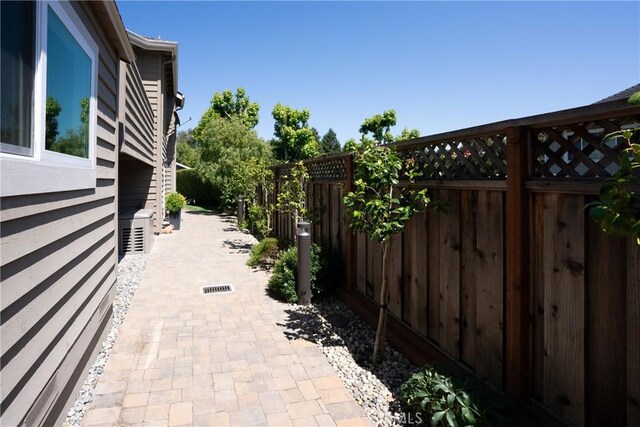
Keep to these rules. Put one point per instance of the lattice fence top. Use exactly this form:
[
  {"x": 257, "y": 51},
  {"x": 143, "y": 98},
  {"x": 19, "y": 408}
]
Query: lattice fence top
[
  {"x": 474, "y": 158},
  {"x": 577, "y": 150},
  {"x": 332, "y": 169}
]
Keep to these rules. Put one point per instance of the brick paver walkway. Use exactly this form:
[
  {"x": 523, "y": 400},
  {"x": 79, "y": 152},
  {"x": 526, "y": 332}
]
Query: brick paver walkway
[{"x": 183, "y": 358}]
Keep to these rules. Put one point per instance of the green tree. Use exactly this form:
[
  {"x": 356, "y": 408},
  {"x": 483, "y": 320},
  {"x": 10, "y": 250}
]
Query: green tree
[
  {"x": 351, "y": 145},
  {"x": 226, "y": 105},
  {"x": 408, "y": 134},
  {"x": 380, "y": 208},
  {"x": 294, "y": 139},
  {"x": 224, "y": 145},
  {"x": 329, "y": 142},
  {"x": 53, "y": 110},
  {"x": 379, "y": 126},
  {"x": 187, "y": 148},
  {"x": 316, "y": 136}
]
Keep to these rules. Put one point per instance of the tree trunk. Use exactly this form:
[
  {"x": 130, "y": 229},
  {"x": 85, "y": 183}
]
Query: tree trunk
[{"x": 381, "y": 332}]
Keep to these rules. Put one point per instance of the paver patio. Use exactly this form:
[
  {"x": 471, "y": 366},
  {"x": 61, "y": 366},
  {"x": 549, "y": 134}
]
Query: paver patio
[{"x": 183, "y": 358}]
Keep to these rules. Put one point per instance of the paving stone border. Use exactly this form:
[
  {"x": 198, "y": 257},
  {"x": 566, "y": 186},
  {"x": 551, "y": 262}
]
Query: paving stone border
[{"x": 130, "y": 269}]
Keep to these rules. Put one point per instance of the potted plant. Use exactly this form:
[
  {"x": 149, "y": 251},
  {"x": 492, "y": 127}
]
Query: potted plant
[{"x": 174, "y": 203}]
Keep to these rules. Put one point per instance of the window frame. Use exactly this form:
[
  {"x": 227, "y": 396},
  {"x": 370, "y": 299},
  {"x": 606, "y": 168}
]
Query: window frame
[{"x": 48, "y": 171}]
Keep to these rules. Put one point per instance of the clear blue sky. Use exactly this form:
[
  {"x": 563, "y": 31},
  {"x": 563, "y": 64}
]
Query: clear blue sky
[{"x": 440, "y": 65}]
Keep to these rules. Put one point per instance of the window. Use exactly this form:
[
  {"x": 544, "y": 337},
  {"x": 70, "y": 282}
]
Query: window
[
  {"x": 18, "y": 76},
  {"x": 48, "y": 107}
]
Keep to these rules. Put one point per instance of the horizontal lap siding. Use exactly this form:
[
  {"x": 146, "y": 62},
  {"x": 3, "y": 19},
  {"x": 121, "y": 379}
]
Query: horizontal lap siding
[
  {"x": 139, "y": 137},
  {"x": 58, "y": 265}
]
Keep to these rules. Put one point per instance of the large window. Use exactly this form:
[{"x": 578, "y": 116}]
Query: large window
[
  {"x": 48, "y": 107},
  {"x": 18, "y": 76},
  {"x": 48, "y": 83}
]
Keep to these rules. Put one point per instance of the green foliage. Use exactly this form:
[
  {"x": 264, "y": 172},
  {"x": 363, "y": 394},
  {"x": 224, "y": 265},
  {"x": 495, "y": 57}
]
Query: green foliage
[
  {"x": 227, "y": 106},
  {"x": 408, "y": 134},
  {"x": 264, "y": 252},
  {"x": 618, "y": 210},
  {"x": 329, "y": 142},
  {"x": 283, "y": 281},
  {"x": 232, "y": 158},
  {"x": 634, "y": 99},
  {"x": 379, "y": 126},
  {"x": 259, "y": 219},
  {"x": 174, "y": 202},
  {"x": 187, "y": 148},
  {"x": 190, "y": 184},
  {"x": 351, "y": 145},
  {"x": 53, "y": 109},
  {"x": 378, "y": 207},
  {"x": 294, "y": 139},
  {"x": 292, "y": 196},
  {"x": 438, "y": 401}
]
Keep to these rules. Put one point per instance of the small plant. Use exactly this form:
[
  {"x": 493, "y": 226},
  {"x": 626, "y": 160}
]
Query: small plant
[
  {"x": 264, "y": 252},
  {"x": 174, "y": 202},
  {"x": 292, "y": 196},
  {"x": 437, "y": 401},
  {"x": 283, "y": 281}
]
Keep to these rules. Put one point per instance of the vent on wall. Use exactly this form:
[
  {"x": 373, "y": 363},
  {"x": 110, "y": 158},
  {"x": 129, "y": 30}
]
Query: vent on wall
[
  {"x": 132, "y": 240},
  {"x": 135, "y": 232}
]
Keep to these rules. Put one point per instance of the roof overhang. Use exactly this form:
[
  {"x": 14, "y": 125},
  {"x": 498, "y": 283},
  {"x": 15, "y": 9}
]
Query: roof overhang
[
  {"x": 118, "y": 34},
  {"x": 156, "y": 45}
]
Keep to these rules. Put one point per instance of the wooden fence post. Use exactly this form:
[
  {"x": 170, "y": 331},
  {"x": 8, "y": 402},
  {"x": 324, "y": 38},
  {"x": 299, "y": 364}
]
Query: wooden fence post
[
  {"x": 517, "y": 336},
  {"x": 349, "y": 237},
  {"x": 276, "y": 214}
]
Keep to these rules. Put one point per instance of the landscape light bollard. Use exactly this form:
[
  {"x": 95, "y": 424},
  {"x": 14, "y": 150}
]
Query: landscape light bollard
[
  {"x": 240, "y": 211},
  {"x": 303, "y": 280}
]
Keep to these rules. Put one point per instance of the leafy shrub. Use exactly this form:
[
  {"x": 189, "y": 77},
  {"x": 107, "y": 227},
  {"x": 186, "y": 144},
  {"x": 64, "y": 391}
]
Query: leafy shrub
[
  {"x": 438, "y": 402},
  {"x": 190, "y": 184},
  {"x": 257, "y": 220},
  {"x": 263, "y": 253},
  {"x": 283, "y": 281},
  {"x": 174, "y": 202}
]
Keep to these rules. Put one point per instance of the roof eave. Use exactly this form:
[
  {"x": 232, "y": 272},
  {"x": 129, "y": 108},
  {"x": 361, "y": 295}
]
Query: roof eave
[
  {"x": 113, "y": 15},
  {"x": 160, "y": 46}
]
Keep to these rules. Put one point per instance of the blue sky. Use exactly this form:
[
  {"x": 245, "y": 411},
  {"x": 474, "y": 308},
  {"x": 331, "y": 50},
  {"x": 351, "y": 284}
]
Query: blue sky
[{"x": 441, "y": 65}]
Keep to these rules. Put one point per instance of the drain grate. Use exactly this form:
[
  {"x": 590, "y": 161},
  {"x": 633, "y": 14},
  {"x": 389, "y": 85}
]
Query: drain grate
[{"x": 217, "y": 289}]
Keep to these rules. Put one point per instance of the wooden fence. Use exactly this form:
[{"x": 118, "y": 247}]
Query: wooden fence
[{"x": 515, "y": 282}]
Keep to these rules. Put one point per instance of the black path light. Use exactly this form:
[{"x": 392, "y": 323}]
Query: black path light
[{"x": 303, "y": 279}]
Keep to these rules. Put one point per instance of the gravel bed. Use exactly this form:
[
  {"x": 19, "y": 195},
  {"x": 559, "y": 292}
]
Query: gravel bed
[
  {"x": 347, "y": 342},
  {"x": 130, "y": 269}
]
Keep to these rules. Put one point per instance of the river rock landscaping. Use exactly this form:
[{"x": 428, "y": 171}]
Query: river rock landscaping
[{"x": 130, "y": 270}]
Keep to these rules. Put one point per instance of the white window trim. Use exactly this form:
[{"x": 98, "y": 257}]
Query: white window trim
[{"x": 47, "y": 171}]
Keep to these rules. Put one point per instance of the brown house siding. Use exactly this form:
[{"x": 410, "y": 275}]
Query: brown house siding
[{"x": 58, "y": 269}]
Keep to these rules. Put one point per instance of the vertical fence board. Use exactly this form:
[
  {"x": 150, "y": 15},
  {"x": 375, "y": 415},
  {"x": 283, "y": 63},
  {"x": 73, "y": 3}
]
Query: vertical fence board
[
  {"x": 394, "y": 275},
  {"x": 417, "y": 253},
  {"x": 490, "y": 285},
  {"x": 314, "y": 212},
  {"x": 335, "y": 218},
  {"x": 433, "y": 268},
  {"x": 326, "y": 216},
  {"x": 449, "y": 273},
  {"x": 538, "y": 235},
  {"x": 606, "y": 328},
  {"x": 468, "y": 271},
  {"x": 564, "y": 306},
  {"x": 361, "y": 263},
  {"x": 633, "y": 334}
]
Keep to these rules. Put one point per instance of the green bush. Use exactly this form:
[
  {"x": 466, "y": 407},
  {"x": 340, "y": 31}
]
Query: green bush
[
  {"x": 437, "y": 401},
  {"x": 174, "y": 202},
  {"x": 283, "y": 281},
  {"x": 190, "y": 184},
  {"x": 264, "y": 252},
  {"x": 257, "y": 219}
]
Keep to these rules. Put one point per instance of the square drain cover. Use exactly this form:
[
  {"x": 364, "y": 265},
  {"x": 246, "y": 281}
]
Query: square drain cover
[{"x": 217, "y": 289}]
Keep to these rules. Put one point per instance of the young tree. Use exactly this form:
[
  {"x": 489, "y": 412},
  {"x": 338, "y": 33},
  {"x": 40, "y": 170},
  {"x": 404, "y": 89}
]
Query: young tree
[
  {"x": 379, "y": 126},
  {"x": 380, "y": 208},
  {"x": 292, "y": 196},
  {"x": 294, "y": 139},
  {"x": 329, "y": 142}
]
